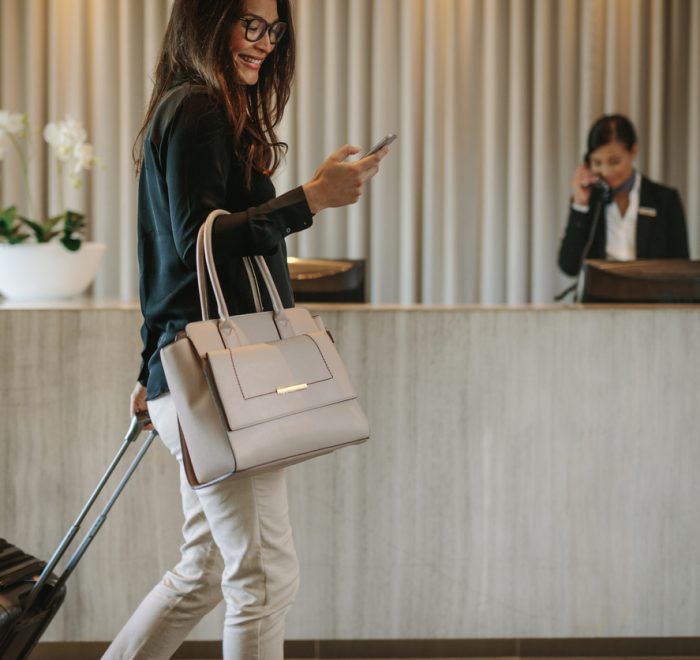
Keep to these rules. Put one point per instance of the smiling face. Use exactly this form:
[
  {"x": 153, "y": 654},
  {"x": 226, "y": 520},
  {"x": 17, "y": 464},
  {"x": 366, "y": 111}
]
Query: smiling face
[
  {"x": 248, "y": 57},
  {"x": 613, "y": 162}
]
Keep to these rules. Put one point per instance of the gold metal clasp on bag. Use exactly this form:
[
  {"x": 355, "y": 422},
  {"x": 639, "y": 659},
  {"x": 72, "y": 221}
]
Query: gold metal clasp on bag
[{"x": 292, "y": 388}]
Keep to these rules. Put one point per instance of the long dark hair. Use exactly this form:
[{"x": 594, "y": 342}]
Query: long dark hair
[
  {"x": 611, "y": 128},
  {"x": 196, "y": 45}
]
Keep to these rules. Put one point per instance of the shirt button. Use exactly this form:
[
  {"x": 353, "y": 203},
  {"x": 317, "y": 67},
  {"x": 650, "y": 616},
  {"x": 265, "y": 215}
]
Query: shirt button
[{"x": 289, "y": 231}]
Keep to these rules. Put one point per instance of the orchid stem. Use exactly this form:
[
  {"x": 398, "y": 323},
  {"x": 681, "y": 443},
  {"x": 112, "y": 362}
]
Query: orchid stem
[
  {"x": 59, "y": 168},
  {"x": 25, "y": 176}
]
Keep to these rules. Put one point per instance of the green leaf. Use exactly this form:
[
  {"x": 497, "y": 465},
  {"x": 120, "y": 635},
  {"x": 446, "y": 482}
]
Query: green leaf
[
  {"x": 10, "y": 226},
  {"x": 9, "y": 213},
  {"x": 74, "y": 216},
  {"x": 38, "y": 229},
  {"x": 8, "y": 221},
  {"x": 71, "y": 244},
  {"x": 52, "y": 222},
  {"x": 74, "y": 222}
]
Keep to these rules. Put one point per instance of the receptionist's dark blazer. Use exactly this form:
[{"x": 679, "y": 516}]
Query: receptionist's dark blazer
[{"x": 661, "y": 229}]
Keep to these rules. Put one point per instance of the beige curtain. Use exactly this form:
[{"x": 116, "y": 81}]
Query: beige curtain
[
  {"x": 491, "y": 99},
  {"x": 91, "y": 59}
]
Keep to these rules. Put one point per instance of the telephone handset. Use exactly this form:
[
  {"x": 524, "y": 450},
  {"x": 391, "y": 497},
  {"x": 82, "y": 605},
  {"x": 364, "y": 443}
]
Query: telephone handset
[{"x": 600, "y": 184}]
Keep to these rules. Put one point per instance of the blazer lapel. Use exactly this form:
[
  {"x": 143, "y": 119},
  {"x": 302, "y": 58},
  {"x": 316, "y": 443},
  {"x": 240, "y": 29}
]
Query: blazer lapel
[{"x": 646, "y": 201}]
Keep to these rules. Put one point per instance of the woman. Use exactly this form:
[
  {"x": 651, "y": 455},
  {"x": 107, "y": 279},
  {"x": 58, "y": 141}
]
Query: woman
[
  {"x": 208, "y": 142},
  {"x": 639, "y": 219}
]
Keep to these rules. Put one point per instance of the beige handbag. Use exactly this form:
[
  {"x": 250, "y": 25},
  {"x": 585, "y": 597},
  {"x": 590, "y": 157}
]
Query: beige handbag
[{"x": 256, "y": 391}]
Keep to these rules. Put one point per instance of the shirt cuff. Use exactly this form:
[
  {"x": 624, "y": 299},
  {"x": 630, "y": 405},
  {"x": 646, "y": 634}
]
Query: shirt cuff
[
  {"x": 297, "y": 214},
  {"x": 580, "y": 208}
]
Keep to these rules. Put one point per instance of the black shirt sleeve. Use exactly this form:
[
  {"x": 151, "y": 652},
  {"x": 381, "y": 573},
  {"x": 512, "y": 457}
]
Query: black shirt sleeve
[
  {"x": 578, "y": 229},
  {"x": 198, "y": 165},
  {"x": 150, "y": 341},
  {"x": 259, "y": 230},
  {"x": 197, "y": 162}
]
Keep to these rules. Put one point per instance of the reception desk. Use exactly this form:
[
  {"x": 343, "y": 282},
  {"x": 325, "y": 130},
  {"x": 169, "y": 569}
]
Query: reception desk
[{"x": 532, "y": 473}]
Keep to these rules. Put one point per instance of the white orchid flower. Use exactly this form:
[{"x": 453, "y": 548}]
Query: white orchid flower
[
  {"x": 64, "y": 136},
  {"x": 12, "y": 123},
  {"x": 51, "y": 133},
  {"x": 83, "y": 157},
  {"x": 55, "y": 137}
]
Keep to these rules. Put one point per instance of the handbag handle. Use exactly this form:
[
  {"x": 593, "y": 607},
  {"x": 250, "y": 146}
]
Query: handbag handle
[
  {"x": 205, "y": 245},
  {"x": 202, "y": 276}
]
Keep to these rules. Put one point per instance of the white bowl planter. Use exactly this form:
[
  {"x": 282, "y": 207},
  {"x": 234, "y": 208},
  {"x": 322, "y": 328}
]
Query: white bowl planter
[{"x": 47, "y": 271}]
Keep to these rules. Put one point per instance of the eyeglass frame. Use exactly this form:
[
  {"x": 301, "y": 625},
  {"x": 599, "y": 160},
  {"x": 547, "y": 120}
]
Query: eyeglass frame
[{"x": 267, "y": 30}]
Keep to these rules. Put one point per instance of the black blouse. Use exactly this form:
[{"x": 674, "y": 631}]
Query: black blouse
[{"x": 189, "y": 169}]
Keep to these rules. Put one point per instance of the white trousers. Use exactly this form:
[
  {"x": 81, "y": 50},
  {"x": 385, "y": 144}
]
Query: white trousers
[{"x": 238, "y": 545}]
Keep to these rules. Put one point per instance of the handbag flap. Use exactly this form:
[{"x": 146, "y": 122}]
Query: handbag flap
[
  {"x": 266, "y": 368},
  {"x": 266, "y": 381}
]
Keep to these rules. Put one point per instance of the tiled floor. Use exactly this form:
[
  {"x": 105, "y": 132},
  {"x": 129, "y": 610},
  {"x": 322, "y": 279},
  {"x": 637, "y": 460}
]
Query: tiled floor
[{"x": 93, "y": 651}]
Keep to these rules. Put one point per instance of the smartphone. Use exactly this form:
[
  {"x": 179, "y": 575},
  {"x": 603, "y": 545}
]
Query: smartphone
[{"x": 387, "y": 139}]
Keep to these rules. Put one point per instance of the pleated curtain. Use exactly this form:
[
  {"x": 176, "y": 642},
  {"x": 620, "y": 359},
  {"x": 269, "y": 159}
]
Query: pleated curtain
[{"x": 491, "y": 99}]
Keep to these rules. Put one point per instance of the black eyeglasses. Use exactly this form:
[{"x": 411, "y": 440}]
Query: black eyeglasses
[{"x": 256, "y": 28}]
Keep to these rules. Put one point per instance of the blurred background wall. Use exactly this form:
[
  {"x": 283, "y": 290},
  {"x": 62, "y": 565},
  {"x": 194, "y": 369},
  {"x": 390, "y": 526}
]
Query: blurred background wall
[{"x": 492, "y": 100}]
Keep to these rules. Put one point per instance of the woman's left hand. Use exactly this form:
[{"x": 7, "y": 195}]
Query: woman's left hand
[
  {"x": 337, "y": 182},
  {"x": 138, "y": 403}
]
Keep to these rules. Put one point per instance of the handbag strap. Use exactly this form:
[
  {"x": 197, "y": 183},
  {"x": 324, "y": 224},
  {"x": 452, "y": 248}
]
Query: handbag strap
[
  {"x": 253, "y": 281},
  {"x": 205, "y": 245},
  {"x": 202, "y": 277}
]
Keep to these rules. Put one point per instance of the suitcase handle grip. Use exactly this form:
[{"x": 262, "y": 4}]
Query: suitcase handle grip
[{"x": 138, "y": 422}]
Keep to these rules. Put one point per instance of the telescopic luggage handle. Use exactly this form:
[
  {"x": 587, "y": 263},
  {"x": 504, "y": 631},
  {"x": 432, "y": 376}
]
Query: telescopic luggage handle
[{"x": 138, "y": 422}]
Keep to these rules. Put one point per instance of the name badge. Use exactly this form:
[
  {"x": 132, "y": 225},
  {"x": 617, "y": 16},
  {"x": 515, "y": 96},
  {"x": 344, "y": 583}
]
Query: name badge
[{"x": 648, "y": 212}]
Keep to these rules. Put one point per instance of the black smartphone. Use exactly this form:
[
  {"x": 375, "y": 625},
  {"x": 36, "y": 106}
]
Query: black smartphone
[{"x": 387, "y": 139}]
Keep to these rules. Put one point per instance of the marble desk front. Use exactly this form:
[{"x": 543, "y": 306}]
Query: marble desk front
[{"x": 532, "y": 472}]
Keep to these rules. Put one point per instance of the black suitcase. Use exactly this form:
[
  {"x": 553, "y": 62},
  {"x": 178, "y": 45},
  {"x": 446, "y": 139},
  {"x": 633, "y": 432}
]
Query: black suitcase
[{"x": 30, "y": 592}]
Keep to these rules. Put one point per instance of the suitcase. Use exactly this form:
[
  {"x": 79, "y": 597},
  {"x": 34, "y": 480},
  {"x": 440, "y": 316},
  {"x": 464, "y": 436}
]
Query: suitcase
[{"x": 30, "y": 592}]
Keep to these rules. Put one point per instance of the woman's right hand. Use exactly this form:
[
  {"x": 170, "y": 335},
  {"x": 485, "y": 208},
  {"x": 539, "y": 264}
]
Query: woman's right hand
[
  {"x": 582, "y": 184},
  {"x": 337, "y": 183}
]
